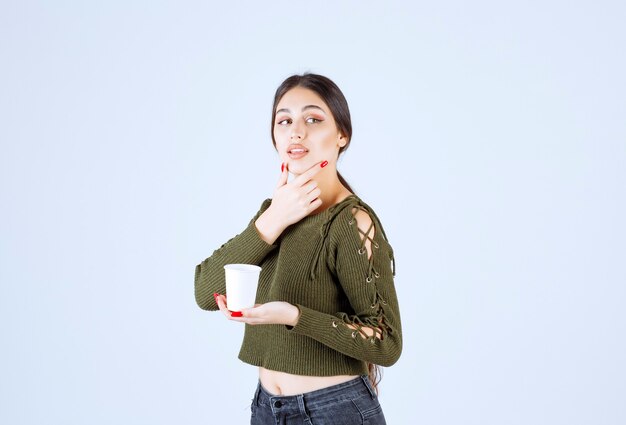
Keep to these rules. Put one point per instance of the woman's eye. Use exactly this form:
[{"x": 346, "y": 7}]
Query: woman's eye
[{"x": 310, "y": 120}]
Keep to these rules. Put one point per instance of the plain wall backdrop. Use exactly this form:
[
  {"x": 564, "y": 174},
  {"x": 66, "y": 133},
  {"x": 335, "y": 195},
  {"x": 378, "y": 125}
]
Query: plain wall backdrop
[{"x": 489, "y": 136}]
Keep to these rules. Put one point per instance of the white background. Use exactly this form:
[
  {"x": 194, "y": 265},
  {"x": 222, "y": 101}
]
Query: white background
[{"x": 489, "y": 136}]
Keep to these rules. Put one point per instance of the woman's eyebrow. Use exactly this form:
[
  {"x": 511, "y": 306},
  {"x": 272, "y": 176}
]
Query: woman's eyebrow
[{"x": 303, "y": 109}]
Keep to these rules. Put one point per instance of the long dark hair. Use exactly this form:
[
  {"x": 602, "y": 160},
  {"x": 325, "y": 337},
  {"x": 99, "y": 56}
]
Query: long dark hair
[
  {"x": 336, "y": 101},
  {"x": 331, "y": 95}
]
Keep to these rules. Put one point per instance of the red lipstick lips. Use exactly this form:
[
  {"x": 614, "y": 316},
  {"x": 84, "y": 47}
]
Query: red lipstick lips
[{"x": 297, "y": 151}]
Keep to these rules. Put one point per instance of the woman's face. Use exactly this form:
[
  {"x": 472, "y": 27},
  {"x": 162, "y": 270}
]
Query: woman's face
[{"x": 305, "y": 131}]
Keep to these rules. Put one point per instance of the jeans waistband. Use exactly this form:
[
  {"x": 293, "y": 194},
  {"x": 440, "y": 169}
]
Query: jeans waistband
[{"x": 356, "y": 387}]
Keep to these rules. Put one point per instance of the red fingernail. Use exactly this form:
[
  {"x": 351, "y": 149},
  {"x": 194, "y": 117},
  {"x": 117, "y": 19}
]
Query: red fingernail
[
  {"x": 215, "y": 295},
  {"x": 324, "y": 164},
  {"x": 236, "y": 314},
  {"x": 282, "y": 167}
]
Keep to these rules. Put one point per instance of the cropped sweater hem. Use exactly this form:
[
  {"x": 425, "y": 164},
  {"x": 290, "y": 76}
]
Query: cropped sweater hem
[{"x": 328, "y": 369}]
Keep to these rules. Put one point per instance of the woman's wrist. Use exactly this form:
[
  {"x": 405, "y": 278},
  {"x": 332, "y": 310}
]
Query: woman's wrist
[
  {"x": 267, "y": 227},
  {"x": 294, "y": 315}
]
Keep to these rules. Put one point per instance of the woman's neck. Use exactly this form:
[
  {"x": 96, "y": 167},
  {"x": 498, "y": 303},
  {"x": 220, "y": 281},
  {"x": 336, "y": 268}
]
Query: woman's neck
[{"x": 332, "y": 191}]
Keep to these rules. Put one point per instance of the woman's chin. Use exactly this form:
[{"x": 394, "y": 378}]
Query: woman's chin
[{"x": 298, "y": 167}]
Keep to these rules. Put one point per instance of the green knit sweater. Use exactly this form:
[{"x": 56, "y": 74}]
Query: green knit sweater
[{"x": 319, "y": 264}]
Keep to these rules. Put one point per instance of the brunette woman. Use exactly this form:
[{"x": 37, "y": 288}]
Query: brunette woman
[{"x": 327, "y": 314}]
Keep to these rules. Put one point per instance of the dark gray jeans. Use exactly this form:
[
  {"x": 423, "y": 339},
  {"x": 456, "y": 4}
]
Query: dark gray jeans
[{"x": 351, "y": 403}]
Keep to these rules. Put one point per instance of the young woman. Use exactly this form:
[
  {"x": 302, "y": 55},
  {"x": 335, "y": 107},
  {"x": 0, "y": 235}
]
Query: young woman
[{"x": 327, "y": 311}]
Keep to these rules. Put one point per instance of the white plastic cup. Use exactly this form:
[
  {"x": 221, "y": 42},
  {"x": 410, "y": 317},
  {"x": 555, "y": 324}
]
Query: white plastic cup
[{"x": 242, "y": 281}]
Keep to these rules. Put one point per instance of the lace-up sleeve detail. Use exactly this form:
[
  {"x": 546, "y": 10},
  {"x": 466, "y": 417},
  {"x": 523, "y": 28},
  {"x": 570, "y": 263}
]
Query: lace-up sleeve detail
[{"x": 362, "y": 260}]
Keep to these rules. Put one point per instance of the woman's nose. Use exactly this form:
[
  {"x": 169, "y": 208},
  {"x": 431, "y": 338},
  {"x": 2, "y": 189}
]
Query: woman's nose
[{"x": 297, "y": 132}]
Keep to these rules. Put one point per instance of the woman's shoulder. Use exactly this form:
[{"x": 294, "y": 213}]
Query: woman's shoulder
[
  {"x": 355, "y": 205},
  {"x": 353, "y": 210},
  {"x": 357, "y": 227}
]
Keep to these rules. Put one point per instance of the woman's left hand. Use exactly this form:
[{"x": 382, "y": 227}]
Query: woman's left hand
[{"x": 271, "y": 313}]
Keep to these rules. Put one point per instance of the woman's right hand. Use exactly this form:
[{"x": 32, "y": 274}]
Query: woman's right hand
[{"x": 291, "y": 202}]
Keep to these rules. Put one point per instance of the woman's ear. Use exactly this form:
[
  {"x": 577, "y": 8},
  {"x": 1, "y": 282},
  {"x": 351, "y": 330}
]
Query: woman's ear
[{"x": 343, "y": 140}]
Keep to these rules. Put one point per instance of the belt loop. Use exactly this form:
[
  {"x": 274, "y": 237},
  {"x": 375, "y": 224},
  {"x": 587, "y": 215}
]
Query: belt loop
[
  {"x": 305, "y": 416},
  {"x": 255, "y": 399},
  {"x": 368, "y": 384}
]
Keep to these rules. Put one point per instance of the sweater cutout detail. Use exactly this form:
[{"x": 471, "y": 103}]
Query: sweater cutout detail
[{"x": 377, "y": 322}]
